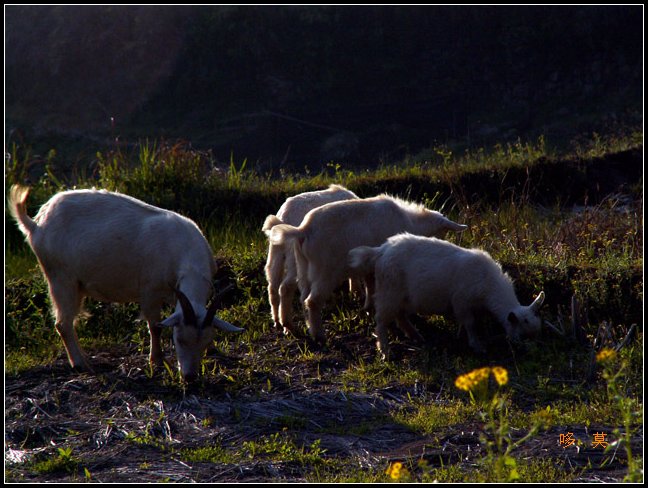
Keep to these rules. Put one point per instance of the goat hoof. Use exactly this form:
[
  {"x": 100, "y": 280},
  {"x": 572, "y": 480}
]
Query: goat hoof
[
  {"x": 158, "y": 360},
  {"x": 321, "y": 340},
  {"x": 83, "y": 368},
  {"x": 288, "y": 330},
  {"x": 318, "y": 344}
]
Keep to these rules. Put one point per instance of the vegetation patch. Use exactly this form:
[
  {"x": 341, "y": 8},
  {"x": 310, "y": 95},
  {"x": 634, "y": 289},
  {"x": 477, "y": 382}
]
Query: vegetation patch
[{"x": 274, "y": 407}]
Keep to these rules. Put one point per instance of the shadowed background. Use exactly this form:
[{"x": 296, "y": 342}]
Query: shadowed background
[{"x": 294, "y": 86}]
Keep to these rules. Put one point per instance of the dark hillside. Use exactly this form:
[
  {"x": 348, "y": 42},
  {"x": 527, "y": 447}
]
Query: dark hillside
[{"x": 289, "y": 86}]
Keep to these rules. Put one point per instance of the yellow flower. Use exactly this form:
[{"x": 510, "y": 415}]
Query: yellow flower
[
  {"x": 605, "y": 355},
  {"x": 396, "y": 470},
  {"x": 470, "y": 380},
  {"x": 501, "y": 375},
  {"x": 480, "y": 375},
  {"x": 463, "y": 383}
]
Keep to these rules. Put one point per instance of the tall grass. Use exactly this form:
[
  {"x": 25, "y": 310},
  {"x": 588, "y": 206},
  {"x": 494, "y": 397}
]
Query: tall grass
[{"x": 494, "y": 191}]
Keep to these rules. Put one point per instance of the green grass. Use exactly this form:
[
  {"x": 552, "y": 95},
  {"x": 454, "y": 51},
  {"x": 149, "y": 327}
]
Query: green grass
[
  {"x": 430, "y": 418},
  {"x": 274, "y": 447},
  {"x": 208, "y": 454},
  {"x": 596, "y": 254},
  {"x": 368, "y": 376},
  {"x": 64, "y": 461},
  {"x": 529, "y": 471}
]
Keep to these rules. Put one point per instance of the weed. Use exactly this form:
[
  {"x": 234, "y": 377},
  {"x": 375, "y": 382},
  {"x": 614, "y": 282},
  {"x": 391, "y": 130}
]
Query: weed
[
  {"x": 62, "y": 461},
  {"x": 528, "y": 471},
  {"x": 345, "y": 471},
  {"x": 148, "y": 439},
  {"x": 368, "y": 376},
  {"x": 453, "y": 473},
  {"x": 208, "y": 454},
  {"x": 281, "y": 447},
  {"x": 497, "y": 436},
  {"x": 235, "y": 176},
  {"x": 615, "y": 367}
]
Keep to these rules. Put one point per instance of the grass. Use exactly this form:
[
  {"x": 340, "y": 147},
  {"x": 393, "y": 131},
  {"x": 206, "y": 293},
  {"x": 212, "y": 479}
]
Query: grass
[
  {"x": 377, "y": 374},
  {"x": 63, "y": 461},
  {"x": 430, "y": 418},
  {"x": 208, "y": 454},
  {"x": 595, "y": 253},
  {"x": 529, "y": 471}
]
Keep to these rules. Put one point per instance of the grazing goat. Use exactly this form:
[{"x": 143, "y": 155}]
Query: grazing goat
[
  {"x": 329, "y": 232},
  {"x": 280, "y": 267},
  {"x": 415, "y": 274},
  {"x": 115, "y": 248}
]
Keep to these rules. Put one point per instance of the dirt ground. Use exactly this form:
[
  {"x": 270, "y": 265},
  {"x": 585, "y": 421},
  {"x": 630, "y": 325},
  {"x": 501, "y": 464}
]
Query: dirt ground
[{"x": 124, "y": 426}]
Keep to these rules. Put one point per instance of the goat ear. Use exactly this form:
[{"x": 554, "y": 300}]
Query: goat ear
[
  {"x": 187, "y": 309},
  {"x": 513, "y": 318},
  {"x": 453, "y": 226},
  {"x": 171, "y": 321},
  {"x": 226, "y": 326}
]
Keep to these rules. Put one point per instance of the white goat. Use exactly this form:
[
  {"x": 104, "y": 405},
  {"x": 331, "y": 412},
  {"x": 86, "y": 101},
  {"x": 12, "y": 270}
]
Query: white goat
[
  {"x": 329, "y": 232},
  {"x": 115, "y": 248},
  {"x": 280, "y": 267},
  {"x": 422, "y": 275}
]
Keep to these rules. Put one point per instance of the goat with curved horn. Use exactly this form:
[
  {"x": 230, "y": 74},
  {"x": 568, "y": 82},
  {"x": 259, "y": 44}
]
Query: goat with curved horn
[
  {"x": 429, "y": 276},
  {"x": 112, "y": 247}
]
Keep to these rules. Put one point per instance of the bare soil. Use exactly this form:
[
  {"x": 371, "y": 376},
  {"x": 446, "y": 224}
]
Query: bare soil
[{"x": 124, "y": 425}]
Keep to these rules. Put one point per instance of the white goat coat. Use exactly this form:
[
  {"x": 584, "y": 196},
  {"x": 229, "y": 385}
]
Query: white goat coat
[
  {"x": 295, "y": 208},
  {"x": 120, "y": 249},
  {"x": 280, "y": 269},
  {"x": 115, "y": 248},
  {"x": 428, "y": 276},
  {"x": 329, "y": 232}
]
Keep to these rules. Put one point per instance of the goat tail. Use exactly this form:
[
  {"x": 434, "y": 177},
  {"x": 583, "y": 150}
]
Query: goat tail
[
  {"x": 362, "y": 260},
  {"x": 283, "y": 233},
  {"x": 18, "y": 208},
  {"x": 270, "y": 222}
]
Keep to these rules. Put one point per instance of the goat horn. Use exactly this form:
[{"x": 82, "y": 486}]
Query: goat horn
[
  {"x": 537, "y": 303},
  {"x": 216, "y": 302},
  {"x": 187, "y": 309}
]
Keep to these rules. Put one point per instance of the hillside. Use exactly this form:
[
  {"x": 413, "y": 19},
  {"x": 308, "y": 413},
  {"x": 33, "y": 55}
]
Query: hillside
[{"x": 294, "y": 86}]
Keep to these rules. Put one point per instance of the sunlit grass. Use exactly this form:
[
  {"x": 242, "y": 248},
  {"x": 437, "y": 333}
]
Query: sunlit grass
[
  {"x": 428, "y": 418},
  {"x": 592, "y": 252},
  {"x": 20, "y": 263},
  {"x": 533, "y": 470},
  {"x": 209, "y": 454}
]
